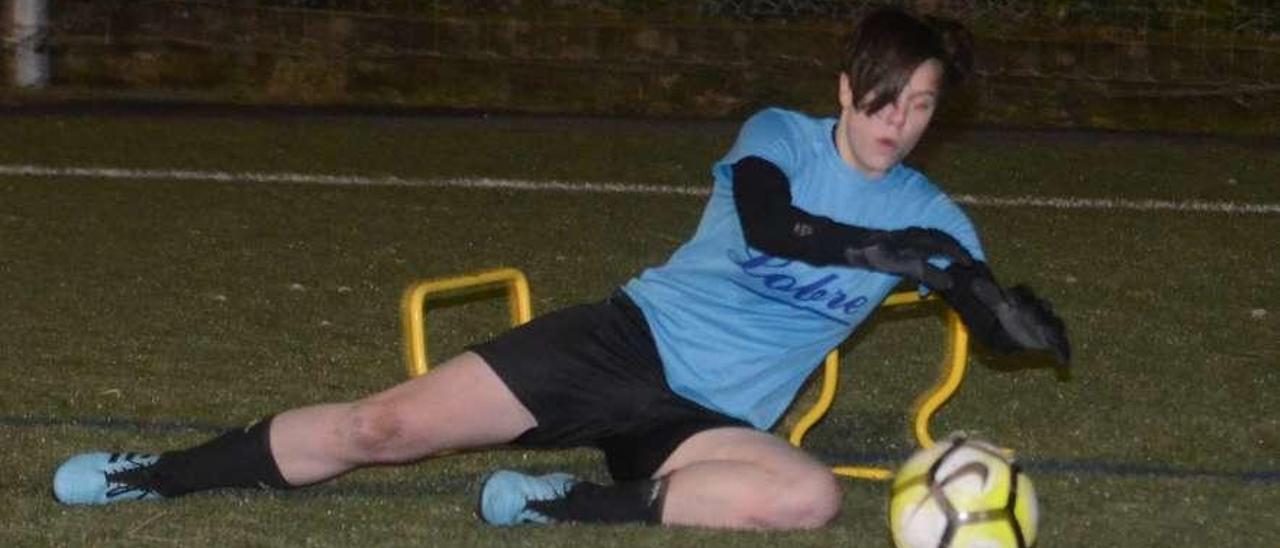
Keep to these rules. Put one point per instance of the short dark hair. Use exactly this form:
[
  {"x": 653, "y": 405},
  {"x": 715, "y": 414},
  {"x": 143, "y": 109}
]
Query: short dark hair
[{"x": 889, "y": 43}]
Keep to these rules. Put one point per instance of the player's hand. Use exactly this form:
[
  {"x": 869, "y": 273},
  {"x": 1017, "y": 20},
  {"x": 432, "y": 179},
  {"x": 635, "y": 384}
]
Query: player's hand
[
  {"x": 1028, "y": 320},
  {"x": 906, "y": 253}
]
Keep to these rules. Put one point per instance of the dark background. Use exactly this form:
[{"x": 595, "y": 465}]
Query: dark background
[{"x": 1202, "y": 66}]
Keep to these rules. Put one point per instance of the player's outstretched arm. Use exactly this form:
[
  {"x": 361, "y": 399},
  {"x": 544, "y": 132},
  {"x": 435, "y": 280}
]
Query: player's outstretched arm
[
  {"x": 772, "y": 224},
  {"x": 1005, "y": 320}
]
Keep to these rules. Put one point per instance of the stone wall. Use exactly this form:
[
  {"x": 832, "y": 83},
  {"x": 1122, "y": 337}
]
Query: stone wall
[{"x": 616, "y": 66}]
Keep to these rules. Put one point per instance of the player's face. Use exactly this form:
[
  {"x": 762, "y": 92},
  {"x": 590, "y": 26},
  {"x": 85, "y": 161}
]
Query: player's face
[{"x": 873, "y": 143}]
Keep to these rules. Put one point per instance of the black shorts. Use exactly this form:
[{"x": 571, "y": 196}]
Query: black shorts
[{"x": 592, "y": 377}]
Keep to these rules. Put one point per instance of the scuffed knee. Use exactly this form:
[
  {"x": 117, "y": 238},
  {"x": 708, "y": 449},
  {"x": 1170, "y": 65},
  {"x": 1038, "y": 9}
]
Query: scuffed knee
[{"x": 373, "y": 430}]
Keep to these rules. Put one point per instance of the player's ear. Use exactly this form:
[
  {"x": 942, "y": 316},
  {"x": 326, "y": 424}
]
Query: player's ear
[{"x": 846, "y": 91}]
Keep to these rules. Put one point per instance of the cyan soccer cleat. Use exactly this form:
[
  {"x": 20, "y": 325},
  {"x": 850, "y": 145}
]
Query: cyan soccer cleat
[
  {"x": 509, "y": 498},
  {"x": 104, "y": 478}
]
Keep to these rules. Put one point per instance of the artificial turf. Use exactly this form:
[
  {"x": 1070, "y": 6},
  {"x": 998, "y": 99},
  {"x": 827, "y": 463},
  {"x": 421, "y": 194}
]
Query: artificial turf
[{"x": 145, "y": 314}]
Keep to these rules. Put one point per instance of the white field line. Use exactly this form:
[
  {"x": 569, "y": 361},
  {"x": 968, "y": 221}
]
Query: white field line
[
  {"x": 1199, "y": 206},
  {"x": 1064, "y": 203}
]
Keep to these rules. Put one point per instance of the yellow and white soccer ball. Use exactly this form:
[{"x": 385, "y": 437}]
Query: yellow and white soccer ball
[{"x": 962, "y": 492}]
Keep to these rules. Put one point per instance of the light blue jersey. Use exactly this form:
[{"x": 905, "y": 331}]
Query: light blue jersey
[{"x": 738, "y": 330}]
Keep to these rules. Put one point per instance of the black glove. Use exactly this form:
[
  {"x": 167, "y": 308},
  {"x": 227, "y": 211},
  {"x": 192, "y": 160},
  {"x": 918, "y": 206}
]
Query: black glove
[
  {"x": 1027, "y": 320},
  {"x": 906, "y": 253},
  {"x": 1005, "y": 321}
]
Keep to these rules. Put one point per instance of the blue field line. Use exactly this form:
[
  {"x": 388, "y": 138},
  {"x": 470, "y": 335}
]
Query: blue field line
[
  {"x": 1049, "y": 466},
  {"x": 1083, "y": 467},
  {"x": 1034, "y": 466}
]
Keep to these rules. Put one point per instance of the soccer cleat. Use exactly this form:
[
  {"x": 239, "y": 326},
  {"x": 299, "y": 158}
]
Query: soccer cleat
[
  {"x": 104, "y": 478},
  {"x": 509, "y": 498}
]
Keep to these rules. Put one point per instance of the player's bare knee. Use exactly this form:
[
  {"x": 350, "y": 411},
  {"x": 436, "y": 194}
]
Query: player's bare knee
[
  {"x": 373, "y": 430},
  {"x": 827, "y": 496},
  {"x": 808, "y": 500}
]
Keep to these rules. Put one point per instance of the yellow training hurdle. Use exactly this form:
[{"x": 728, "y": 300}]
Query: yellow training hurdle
[
  {"x": 953, "y": 368},
  {"x": 413, "y": 316},
  {"x": 413, "y": 307}
]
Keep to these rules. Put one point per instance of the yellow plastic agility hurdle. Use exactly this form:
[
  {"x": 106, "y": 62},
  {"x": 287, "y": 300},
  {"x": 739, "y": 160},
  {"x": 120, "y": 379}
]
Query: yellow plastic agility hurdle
[
  {"x": 926, "y": 405},
  {"x": 413, "y": 307},
  {"x": 413, "y": 316}
]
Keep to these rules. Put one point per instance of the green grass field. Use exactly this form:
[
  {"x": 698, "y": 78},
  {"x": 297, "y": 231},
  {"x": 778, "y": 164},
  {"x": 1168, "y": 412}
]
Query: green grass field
[{"x": 147, "y": 313}]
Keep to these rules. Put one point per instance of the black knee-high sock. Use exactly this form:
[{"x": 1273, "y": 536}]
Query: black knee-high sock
[
  {"x": 629, "y": 502},
  {"x": 237, "y": 458}
]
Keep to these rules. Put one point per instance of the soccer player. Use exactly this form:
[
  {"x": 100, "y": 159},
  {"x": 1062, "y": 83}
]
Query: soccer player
[{"x": 678, "y": 375}]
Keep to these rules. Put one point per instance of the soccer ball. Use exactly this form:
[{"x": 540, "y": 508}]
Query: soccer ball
[{"x": 962, "y": 492}]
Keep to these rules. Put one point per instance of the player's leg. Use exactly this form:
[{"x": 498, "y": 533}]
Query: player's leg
[
  {"x": 461, "y": 404},
  {"x": 744, "y": 478},
  {"x": 726, "y": 477}
]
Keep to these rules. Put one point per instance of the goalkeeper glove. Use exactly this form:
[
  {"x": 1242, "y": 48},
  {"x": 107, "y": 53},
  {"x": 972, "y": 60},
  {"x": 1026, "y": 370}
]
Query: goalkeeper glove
[{"x": 1005, "y": 320}]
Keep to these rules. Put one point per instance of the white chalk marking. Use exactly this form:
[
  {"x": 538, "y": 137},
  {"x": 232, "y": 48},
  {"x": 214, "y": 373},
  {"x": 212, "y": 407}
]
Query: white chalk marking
[{"x": 1043, "y": 202}]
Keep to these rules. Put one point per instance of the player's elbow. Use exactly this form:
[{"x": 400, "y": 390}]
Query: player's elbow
[{"x": 767, "y": 241}]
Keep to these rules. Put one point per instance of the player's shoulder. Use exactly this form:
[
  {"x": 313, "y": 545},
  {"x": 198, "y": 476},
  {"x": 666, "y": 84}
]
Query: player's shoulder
[
  {"x": 802, "y": 133},
  {"x": 915, "y": 181},
  {"x": 919, "y": 188},
  {"x": 779, "y": 113},
  {"x": 784, "y": 121}
]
